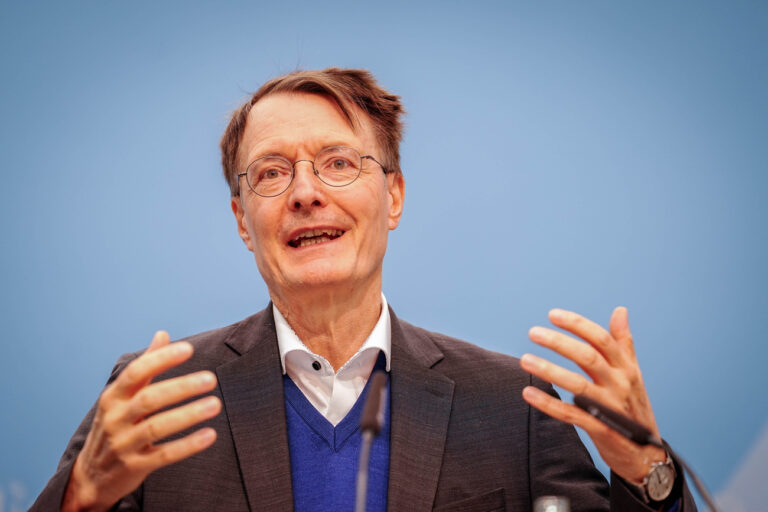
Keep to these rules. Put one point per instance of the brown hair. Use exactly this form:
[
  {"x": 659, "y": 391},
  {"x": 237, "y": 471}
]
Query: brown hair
[{"x": 347, "y": 88}]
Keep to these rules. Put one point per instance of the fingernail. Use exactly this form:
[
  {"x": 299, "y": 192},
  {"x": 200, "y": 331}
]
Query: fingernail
[
  {"x": 529, "y": 393},
  {"x": 209, "y": 405},
  {"x": 206, "y": 436},
  {"x": 530, "y": 360},
  {"x": 206, "y": 379},
  {"x": 181, "y": 348},
  {"x": 537, "y": 333},
  {"x": 557, "y": 314}
]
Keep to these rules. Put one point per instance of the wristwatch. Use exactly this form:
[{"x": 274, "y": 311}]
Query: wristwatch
[{"x": 659, "y": 481}]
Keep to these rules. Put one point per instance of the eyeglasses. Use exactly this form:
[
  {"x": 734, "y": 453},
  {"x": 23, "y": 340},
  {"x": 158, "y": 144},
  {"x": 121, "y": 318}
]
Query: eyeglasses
[{"x": 336, "y": 166}]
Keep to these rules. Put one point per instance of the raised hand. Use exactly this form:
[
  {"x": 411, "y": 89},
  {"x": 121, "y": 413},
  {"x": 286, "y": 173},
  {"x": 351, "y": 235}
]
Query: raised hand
[
  {"x": 120, "y": 449},
  {"x": 608, "y": 358}
]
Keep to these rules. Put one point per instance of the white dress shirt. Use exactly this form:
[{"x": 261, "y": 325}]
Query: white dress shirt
[{"x": 332, "y": 393}]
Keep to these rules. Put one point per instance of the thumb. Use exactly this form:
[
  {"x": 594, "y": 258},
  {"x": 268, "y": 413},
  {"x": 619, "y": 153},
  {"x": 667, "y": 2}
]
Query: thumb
[
  {"x": 159, "y": 340},
  {"x": 619, "y": 327}
]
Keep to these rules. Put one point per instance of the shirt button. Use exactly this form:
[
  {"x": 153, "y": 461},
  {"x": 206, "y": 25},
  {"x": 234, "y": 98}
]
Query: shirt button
[{"x": 316, "y": 366}]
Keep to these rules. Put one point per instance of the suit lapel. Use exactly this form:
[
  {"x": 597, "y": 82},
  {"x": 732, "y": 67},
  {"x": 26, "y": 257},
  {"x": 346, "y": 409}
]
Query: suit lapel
[
  {"x": 252, "y": 392},
  {"x": 421, "y": 406}
]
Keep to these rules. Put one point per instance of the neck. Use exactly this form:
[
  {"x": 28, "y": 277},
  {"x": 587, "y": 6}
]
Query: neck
[{"x": 333, "y": 323}]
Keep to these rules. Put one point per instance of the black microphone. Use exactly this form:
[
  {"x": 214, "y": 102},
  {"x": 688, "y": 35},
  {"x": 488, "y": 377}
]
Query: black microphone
[
  {"x": 370, "y": 425},
  {"x": 627, "y": 427}
]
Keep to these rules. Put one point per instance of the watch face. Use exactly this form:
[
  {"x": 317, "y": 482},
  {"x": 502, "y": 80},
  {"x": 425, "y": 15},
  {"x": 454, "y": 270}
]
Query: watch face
[{"x": 660, "y": 482}]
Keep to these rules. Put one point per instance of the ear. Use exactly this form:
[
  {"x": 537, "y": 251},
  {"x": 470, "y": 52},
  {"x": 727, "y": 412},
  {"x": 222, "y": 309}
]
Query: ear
[
  {"x": 396, "y": 196},
  {"x": 242, "y": 229}
]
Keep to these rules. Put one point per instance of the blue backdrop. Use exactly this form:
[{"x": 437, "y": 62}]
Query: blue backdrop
[{"x": 558, "y": 154}]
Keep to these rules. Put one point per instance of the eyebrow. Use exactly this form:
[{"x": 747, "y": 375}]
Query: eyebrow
[{"x": 274, "y": 151}]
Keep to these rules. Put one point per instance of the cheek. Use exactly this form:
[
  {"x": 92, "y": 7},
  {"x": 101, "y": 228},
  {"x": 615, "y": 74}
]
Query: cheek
[
  {"x": 377, "y": 228},
  {"x": 258, "y": 222}
]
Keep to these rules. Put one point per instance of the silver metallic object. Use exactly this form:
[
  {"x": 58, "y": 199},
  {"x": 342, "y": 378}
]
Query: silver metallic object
[{"x": 552, "y": 504}]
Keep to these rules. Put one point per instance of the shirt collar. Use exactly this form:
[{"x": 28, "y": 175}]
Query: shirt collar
[{"x": 380, "y": 337}]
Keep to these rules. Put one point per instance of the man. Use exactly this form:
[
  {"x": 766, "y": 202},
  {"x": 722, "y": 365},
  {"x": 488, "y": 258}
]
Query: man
[{"x": 312, "y": 162}]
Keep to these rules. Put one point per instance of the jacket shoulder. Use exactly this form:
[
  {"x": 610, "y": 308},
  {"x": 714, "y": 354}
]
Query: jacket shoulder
[
  {"x": 208, "y": 340},
  {"x": 455, "y": 347},
  {"x": 211, "y": 348},
  {"x": 462, "y": 360}
]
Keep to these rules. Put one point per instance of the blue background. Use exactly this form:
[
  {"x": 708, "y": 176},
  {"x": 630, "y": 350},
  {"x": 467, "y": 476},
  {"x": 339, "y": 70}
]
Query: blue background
[{"x": 558, "y": 154}]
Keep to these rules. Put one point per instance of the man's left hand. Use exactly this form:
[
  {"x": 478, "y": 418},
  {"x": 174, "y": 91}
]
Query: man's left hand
[{"x": 608, "y": 358}]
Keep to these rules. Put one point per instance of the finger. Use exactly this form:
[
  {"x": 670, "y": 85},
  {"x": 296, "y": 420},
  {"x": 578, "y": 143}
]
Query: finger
[
  {"x": 160, "y": 339},
  {"x": 554, "y": 374},
  {"x": 611, "y": 445},
  {"x": 168, "y": 392},
  {"x": 583, "y": 354},
  {"x": 149, "y": 365},
  {"x": 619, "y": 327},
  {"x": 164, "y": 454},
  {"x": 164, "y": 424},
  {"x": 563, "y": 411},
  {"x": 590, "y": 332}
]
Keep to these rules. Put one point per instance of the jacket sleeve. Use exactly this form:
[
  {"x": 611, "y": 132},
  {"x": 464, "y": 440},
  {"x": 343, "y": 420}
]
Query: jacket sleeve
[
  {"x": 561, "y": 466},
  {"x": 680, "y": 500},
  {"x": 51, "y": 496}
]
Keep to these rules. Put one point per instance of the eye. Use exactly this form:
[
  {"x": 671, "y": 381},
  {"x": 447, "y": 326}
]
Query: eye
[
  {"x": 270, "y": 174},
  {"x": 339, "y": 164},
  {"x": 268, "y": 169}
]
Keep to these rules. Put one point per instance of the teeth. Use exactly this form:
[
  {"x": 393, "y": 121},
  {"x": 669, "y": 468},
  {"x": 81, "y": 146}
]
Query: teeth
[
  {"x": 316, "y": 236},
  {"x": 320, "y": 232},
  {"x": 311, "y": 241}
]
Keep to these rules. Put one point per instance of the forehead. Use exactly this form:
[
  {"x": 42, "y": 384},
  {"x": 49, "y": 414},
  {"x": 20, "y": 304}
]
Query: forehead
[{"x": 289, "y": 123}]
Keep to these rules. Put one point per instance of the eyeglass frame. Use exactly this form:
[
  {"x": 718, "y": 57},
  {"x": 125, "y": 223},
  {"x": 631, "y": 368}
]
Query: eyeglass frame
[{"x": 314, "y": 170}]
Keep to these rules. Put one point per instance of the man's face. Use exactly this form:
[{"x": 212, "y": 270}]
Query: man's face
[{"x": 297, "y": 126}]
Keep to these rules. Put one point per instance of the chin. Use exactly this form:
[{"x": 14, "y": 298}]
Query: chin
[{"x": 319, "y": 274}]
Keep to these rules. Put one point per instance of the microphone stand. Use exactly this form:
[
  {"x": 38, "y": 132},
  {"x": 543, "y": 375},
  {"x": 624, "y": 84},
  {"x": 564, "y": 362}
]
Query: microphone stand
[{"x": 370, "y": 425}]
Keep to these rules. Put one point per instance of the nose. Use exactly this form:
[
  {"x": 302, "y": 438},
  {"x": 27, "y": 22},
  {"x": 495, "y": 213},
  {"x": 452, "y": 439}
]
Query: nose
[{"x": 306, "y": 190}]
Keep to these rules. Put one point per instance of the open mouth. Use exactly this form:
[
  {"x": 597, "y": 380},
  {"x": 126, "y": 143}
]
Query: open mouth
[{"x": 315, "y": 236}]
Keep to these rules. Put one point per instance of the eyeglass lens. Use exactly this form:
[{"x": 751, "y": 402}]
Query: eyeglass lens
[{"x": 336, "y": 166}]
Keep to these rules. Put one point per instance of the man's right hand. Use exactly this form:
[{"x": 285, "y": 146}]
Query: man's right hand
[{"x": 119, "y": 451}]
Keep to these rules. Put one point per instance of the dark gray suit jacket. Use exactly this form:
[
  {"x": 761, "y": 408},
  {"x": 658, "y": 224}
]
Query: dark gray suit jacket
[{"x": 462, "y": 438}]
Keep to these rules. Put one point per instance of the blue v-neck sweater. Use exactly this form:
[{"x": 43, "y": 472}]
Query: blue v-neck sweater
[{"x": 324, "y": 458}]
